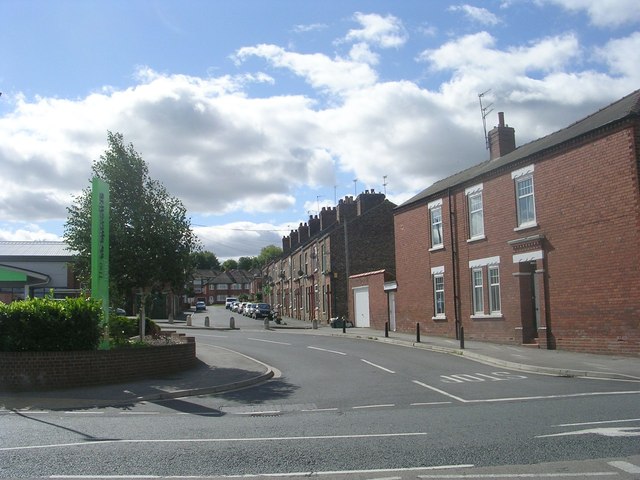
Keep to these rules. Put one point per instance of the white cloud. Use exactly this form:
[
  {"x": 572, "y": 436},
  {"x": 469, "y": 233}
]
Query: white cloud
[
  {"x": 320, "y": 71},
  {"x": 381, "y": 31},
  {"x": 622, "y": 55},
  {"x": 477, "y": 14},
  {"x": 29, "y": 233},
  {"x": 604, "y": 13}
]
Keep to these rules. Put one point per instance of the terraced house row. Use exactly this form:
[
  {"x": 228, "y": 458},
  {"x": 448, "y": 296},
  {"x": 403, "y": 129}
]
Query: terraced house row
[{"x": 538, "y": 245}]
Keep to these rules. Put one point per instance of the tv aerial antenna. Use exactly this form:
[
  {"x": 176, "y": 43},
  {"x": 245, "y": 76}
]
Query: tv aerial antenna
[{"x": 484, "y": 111}]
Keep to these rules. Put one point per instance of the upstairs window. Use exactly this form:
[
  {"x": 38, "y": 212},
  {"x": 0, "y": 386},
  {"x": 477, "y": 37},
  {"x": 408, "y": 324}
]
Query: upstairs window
[
  {"x": 525, "y": 198},
  {"x": 435, "y": 215},
  {"x": 476, "y": 212}
]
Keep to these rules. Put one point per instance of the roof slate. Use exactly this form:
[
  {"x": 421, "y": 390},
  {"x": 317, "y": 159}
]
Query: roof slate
[
  {"x": 34, "y": 249},
  {"x": 626, "y": 107}
]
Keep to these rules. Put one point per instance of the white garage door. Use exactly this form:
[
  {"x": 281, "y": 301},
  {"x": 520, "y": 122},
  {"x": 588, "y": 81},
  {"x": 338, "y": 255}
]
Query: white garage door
[{"x": 361, "y": 300}]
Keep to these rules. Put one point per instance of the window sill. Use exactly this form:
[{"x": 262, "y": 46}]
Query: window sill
[
  {"x": 436, "y": 248},
  {"x": 476, "y": 239},
  {"x": 526, "y": 226},
  {"x": 439, "y": 319},
  {"x": 493, "y": 316}
]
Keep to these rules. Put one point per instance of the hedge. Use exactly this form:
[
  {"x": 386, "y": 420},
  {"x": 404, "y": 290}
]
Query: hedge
[{"x": 45, "y": 324}]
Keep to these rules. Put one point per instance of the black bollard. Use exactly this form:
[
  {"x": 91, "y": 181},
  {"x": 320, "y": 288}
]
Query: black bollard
[
  {"x": 344, "y": 325},
  {"x": 386, "y": 329},
  {"x": 462, "y": 338},
  {"x": 417, "y": 333}
]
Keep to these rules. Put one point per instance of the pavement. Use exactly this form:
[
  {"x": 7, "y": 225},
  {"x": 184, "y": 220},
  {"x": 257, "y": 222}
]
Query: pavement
[{"x": 222, "y": 370}]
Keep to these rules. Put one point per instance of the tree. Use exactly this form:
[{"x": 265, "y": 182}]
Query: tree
[
  {"x": 150, "y": 238},
  {"x": 205, "y": 260},
  {"x": 229, "y": 264},
  {"x": 268, "y": 253},
  {"x": 246, "y": 263}
]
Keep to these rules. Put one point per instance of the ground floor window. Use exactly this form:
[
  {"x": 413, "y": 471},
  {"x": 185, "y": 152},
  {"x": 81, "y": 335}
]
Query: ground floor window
[
  {"x": 438, "y": 294},
  {"x": 494, "y": 290},
  {"x": 478, "y": 291}
]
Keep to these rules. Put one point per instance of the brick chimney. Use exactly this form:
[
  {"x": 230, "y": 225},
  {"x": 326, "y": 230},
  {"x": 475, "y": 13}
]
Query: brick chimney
[
  {"x": 303, "y": 233},
  {"x": 293, "y": 239},
  {"x": 286, "y": 244},
  {"x": 369, "y": 199},
  {"x": 328, "y": 216},
  {"x": 314, "y": 225},
  {"x": 347, "y": 209},
  {"x": 502, "y": 139}
]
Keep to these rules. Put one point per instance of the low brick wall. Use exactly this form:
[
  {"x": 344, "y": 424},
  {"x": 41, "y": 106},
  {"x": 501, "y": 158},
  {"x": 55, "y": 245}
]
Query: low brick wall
[{"x": 44, "y": 370}]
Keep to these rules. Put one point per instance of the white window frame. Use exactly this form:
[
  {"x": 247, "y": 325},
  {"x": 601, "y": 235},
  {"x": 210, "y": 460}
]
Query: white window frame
[
  {"x": 473, "y": 193},
  {"x": 436, "y": 226},
  {"x": 495, "y": 300},
  {"x": 477, "y": 290},
  {"x": 520, "y": 176},
  {"x": 437, "y": 275}
]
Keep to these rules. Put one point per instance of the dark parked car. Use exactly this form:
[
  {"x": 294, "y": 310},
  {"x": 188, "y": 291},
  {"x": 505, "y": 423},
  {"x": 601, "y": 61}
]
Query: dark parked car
[
  {"x": 261, "y": 310},
  {"x": 339, "y": 322}
]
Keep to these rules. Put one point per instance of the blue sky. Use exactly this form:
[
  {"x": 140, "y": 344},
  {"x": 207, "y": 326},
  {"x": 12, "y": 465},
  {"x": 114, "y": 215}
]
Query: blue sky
[{"x": 258, "y": 113}]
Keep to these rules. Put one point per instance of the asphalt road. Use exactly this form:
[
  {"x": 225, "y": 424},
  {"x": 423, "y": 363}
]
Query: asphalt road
[{"x": 344, "y": 408}]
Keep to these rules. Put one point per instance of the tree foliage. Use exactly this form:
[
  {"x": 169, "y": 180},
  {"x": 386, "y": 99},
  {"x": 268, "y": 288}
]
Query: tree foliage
[
  {"x": 151, "y": 240},
  {"x": 268, "y": 253},
  {"x": 205, "y": 260},
  {"x": 229, "y": 264}
]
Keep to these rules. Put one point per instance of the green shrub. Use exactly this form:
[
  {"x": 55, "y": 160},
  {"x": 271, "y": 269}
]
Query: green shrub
[
  {"x": 45, "y": 324},
  {"x": 121, "y": 329}
]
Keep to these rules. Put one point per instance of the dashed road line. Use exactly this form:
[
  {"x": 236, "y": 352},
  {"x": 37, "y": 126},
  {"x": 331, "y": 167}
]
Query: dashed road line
[
  {"x": 325, "y": 350},
  {"x": 374, "y": 406},
  {"x": 268, "y": 341},
  {"x": 377, "y": 366}
]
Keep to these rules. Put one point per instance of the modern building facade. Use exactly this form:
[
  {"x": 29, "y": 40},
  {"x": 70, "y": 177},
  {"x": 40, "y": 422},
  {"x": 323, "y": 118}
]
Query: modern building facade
[
  {"x": 29, "y": 269},
  {"x": 538, "y": 245}
]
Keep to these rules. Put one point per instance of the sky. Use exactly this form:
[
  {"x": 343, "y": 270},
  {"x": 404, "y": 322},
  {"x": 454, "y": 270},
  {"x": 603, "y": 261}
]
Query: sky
[{"x": 256, "y": 114}]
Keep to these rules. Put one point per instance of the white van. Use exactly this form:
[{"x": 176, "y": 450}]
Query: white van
[{"x": 229, "y": 301}]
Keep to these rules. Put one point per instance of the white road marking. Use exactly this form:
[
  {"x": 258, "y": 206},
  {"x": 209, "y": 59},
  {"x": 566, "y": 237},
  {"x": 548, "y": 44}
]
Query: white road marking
[
  {"x": 625, "y": 466},
  {"x": 285, "y": 474},
  {"x": 606, "y": 432},
  {"x": 598, "y": 423},
  {"x": 439, "y": 391},
  {"x": 264, "y": 412},
  {"x": 377, "y": 366},
  {"x": 320, "y": 410},
  {"x": 420, "y": 404},
  {"x": 267, "y": 341},
  {"x": 139, "y": 413},
  {"x": 215, "y": 440},
  {"x": 524, "y": 475},
  {"x": 74, "y": 412},
  {"x": 375, "y": 406},
  {"x": 325, "y": 350},
  {"x": 514, "y": 399}
]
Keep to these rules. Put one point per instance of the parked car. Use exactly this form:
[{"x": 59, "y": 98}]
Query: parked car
[
  {"x": 201, "y": 306},
  {"x": 240, "y": 307},
  {"x": 229, "y": 302},
  {"x": 339, "y": 322},
  {"x": 261, "y": 310},
  {"x": 248, "y": 309}
]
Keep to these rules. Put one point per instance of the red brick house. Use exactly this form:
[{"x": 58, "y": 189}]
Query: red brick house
[
  {"x": 310, "y": 280},
  {"x": 538, "y": 245}
]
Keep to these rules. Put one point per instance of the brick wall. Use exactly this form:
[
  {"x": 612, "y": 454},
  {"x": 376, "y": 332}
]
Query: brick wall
[
  {"x": 378, "y": 301},
  {"x": 42, "y": 370}
]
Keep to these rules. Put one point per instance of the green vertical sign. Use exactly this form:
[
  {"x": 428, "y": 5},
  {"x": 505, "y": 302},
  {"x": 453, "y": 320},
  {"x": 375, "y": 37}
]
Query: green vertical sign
[{"x": 100, "y": 243}]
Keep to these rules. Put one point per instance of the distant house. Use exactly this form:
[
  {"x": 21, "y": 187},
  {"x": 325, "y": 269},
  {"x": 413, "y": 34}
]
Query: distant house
[
  {"x": 35, "y": 269},
  {"x": 539, "y": 245},
  {"x": 215, "y": 286}
]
